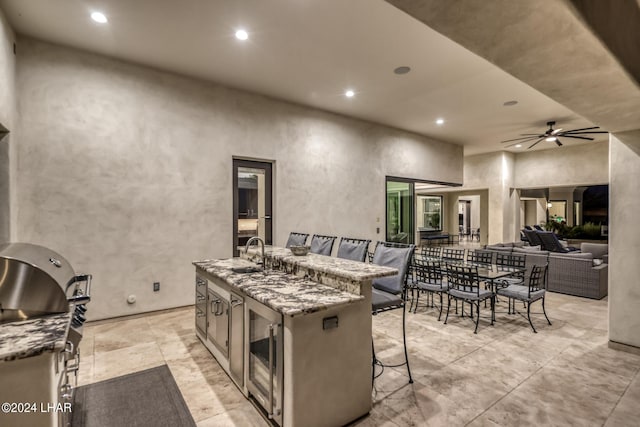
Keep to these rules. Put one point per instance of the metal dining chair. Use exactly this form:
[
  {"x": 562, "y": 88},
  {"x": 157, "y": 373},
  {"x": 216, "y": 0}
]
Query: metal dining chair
[
  {"x": 535, "y": 291},
  {"x": 429, "y": 279},
  {"x": 464, "y": 285}
]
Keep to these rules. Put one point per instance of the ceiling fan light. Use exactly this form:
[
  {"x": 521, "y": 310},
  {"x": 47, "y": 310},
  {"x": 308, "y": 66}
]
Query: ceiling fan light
[{"x": 550, "y": 139}]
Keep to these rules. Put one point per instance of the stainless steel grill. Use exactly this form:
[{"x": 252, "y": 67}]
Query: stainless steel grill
[{"x": 36, "y": 281}]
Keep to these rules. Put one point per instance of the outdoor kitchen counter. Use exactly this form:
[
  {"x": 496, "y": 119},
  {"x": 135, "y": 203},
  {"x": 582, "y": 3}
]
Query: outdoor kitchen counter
[
  {"x": 288, "y": 294},
  {"x": 27, "y": 338},
  {"x": 343, "y": 274}
]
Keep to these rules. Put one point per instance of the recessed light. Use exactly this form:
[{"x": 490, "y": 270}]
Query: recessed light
[
  {"x": 99, "y": 17},
  {"x": 402, "y": 70},
  {"x": 242, "y": 35},
  {"x": 349, "y": 93},
  {"x": 510, "y": 103},
  {"x": 440, "y": 121},
  {"x": 518, "y": 145}
]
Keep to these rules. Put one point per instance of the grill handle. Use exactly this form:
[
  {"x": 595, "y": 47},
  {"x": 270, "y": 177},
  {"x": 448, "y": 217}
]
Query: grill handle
[{"x": 84, "y": 296}]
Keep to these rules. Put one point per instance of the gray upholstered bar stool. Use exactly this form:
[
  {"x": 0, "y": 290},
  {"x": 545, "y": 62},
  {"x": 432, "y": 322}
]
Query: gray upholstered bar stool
[
  {"x": 296, "y": 239},
  {"x": 353, "y": 249},
  {"x": 322, "y": 245},
  {"x": 390, "y": 293}
]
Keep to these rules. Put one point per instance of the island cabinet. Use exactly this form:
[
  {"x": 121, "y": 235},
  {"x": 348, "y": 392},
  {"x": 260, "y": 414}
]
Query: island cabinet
[{"x": 307, "y": 341}]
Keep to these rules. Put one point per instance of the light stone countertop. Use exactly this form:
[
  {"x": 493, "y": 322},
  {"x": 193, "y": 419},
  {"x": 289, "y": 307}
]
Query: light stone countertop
[
  {"x": 352, "y": 270},
  {"x": 27, "y": 338},
  {"x": 286, "y": 293}
]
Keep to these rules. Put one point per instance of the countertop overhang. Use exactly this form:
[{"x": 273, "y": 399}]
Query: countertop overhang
[{"x": 286, "y": 293}]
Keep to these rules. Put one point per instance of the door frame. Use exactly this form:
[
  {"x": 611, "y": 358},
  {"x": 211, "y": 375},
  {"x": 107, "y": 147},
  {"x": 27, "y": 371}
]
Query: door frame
[{"x": 268, "y": 165}]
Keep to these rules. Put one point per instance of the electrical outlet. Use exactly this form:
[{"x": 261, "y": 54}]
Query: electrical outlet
[{"x": 156, "y": 286}]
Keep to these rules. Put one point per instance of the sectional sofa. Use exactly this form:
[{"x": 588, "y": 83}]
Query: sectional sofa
[{"x": 584, "y": 273}]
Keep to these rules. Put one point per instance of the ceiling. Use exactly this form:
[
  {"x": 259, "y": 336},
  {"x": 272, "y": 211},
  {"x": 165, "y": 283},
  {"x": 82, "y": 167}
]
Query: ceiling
[{"x": 310, "y": 53}]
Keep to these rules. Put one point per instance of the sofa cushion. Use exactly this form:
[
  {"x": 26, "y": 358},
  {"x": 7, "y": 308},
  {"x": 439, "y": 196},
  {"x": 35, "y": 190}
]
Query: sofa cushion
[
  {"x": 597, "y": 262},
  {"x": 597, "y": 249},
  {"x": 573, "y": 255},
  {"x": 531, "y": 249}
]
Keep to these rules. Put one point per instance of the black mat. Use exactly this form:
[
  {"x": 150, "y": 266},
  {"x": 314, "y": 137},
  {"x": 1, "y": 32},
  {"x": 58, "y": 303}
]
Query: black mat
[{"x": 145, "y": 398}]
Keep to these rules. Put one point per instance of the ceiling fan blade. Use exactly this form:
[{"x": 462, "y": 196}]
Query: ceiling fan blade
[
  {"x": 522, "y": 139},
  {"x": 558, "y": 143},
  {"x": 555, "y": 131},
  {"x": 575, "y": 130},
  {"x": 577, "y": 137},
  {"x": 535, "y": 143},
  {"x": 584, "y": 133}
]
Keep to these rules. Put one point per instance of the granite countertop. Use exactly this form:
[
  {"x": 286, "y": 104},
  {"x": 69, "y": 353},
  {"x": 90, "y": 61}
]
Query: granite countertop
[
  {"x": 286, "y": 293},
  {"x": 27, "y": 338},
  {"x": 352, "y": 270}
]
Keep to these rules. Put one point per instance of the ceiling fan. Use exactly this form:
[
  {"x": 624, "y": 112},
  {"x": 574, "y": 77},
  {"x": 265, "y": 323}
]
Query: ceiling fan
[{"x": 553, "y": 135}]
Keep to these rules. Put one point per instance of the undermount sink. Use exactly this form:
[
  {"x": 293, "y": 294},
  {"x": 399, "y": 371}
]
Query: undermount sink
[{"x": 246, "y": 270}]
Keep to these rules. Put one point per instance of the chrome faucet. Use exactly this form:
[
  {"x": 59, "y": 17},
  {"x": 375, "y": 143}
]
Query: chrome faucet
[{"x": 249, "y": 242}]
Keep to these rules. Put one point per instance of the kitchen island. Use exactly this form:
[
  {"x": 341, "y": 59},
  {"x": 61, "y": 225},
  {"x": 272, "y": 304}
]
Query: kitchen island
[{"x": 315, "y": 341}]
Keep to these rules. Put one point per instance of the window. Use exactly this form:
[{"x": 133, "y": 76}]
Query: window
[{"x": 432, "y": 213}]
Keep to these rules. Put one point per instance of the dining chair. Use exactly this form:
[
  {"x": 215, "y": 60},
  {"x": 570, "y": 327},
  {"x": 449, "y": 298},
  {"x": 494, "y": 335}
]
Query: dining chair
[
  {"x": 429, "y": 280},
  {"x": 390, "y": 293},
  {"x": 353, "y": 249},
  {"x": 450, "y": 254},
  {"x": 434, "y": 252},
  {"x": 516, "y": 262},
  {"x": 464, "y": 285},
  {"x": 322, "y": 245},
  {"x": 296, "y": 239},
  {"x": 528, "y": 294},
  {"x": 480, "y": 257}
]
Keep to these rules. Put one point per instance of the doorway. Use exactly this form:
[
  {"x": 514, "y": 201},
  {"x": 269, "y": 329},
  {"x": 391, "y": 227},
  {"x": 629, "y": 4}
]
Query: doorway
[
  {"x": 400, "y": 211},
  {"x": 252, "y": 202}
]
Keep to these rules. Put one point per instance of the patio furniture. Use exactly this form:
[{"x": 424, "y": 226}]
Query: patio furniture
[
  {"x": 353, "y": 249},
  {"x": 296, "y": 239},
  {"x": 480, "y": 257},
  {"x": 532, "y": 237},
  {"x": 528, "y": 294},
  {"x": 322, "y": 245},
  {"x": 464, "y": 285},
  {"x": 449, "y": 254},
  {"x": 431, "y": 252},
  {"x": 550, "y": 242},
  {"x": 429, "y": 280},
  {"x": 390, "y": 293}
]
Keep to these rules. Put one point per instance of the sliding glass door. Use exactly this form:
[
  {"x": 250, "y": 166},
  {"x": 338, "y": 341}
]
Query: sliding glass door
[{"x": 400, "y": 211}]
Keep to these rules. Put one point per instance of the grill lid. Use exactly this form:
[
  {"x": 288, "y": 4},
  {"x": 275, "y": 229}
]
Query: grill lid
[{"x": 33, "y": 281}]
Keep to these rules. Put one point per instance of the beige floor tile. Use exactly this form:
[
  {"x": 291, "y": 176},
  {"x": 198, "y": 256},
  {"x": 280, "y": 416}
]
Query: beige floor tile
[
  {"x": 505, "y": 375},
  {"x": 126, "y": 360}
]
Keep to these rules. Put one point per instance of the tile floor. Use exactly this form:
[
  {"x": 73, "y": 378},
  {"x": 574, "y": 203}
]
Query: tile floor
[{"x": 504, "y": 376}]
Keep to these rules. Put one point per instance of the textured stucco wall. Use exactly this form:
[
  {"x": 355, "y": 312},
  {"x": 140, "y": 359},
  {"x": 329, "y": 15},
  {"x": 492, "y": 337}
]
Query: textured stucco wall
[
  {"x": 127, "y": 170},
  {"x": 7, "y": 120},
  {"x": 495, "y": 172},
  {"x": 624, "y": 240},
  {"x": 585, "y": 164}
]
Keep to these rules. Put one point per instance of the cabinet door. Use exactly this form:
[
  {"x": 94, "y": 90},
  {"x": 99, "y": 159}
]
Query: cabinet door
[{"x": 218, "y": 322}]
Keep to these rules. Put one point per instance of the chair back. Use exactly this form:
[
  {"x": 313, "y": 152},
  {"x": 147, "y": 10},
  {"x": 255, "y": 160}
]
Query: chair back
[
  {"x": 463, "y": 278},
  {"x": 480, "y": 257},
  {"x": 431, "y": 252},
  {"x": 322, "y": 245},
  {"x": 296, "y": 239},
  {"x": 428, "y": 271},
  {"x": 393, "y": 256},
  {"x": 538, "y": 278},
  {"x": 449, "y": 254},
  {"x": 532, "y": 237},
  {"x": 353, "y": 249},
  {"x": 550, "y": 242},
  {"x": 512, "y": 261}
]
